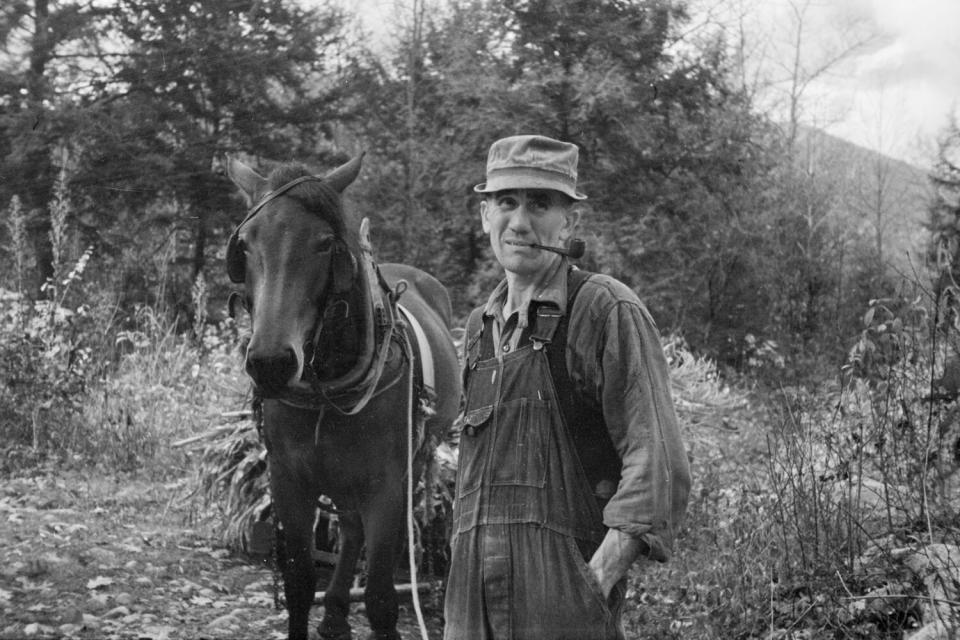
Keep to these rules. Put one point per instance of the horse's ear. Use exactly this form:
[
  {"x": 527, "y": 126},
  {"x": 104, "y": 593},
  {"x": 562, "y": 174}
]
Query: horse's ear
[
  {"x": 341, "y": 177},
  {"x": 248, "y": 180}
]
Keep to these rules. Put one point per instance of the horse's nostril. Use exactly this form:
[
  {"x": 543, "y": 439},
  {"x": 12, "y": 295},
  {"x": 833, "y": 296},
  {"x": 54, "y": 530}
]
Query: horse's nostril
[{"x": 272, "y": 371}]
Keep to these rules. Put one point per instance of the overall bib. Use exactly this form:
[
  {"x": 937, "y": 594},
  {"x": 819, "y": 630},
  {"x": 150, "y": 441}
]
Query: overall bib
[{"x": 525, "y": 516}]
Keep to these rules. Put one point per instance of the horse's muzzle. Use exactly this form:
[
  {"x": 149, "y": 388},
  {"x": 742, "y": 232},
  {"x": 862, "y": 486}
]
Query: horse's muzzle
[{"x": 273, "y": 372}]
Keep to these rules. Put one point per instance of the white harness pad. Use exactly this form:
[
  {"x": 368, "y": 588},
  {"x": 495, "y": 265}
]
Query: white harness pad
[{"x": 426, "y": 355}]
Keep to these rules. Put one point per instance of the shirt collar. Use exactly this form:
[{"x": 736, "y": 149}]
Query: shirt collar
[{"x": 552, "y": 290}]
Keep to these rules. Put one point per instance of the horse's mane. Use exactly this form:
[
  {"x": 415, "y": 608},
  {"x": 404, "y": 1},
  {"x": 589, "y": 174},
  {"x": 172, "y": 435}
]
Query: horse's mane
[{"x": 316, "y": 197}]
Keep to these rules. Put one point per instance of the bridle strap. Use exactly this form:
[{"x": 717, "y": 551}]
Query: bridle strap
[{"x": 271, "y": 195}]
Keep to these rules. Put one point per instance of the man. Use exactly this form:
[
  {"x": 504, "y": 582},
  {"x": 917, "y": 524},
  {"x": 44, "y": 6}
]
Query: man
[{"x": 571, "y": 462}]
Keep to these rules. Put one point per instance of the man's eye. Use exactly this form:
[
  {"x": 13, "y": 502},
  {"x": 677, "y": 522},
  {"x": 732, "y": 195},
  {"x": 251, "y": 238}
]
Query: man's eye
[{"x": 506, "y": 203}]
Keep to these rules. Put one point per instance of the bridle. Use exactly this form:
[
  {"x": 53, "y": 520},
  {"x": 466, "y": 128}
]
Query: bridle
[
  {"x": 350, "y": 393},
  {"x": 272, "y": 195}
]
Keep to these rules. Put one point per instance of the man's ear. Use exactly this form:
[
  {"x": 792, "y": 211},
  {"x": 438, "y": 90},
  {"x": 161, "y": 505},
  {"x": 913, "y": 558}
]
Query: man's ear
[
  {"x": 571, "y": 220},
  {"x": 484, "y": 210}
]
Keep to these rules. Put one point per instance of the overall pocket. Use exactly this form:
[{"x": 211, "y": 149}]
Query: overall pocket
[
  {"x": 521, "y": 437},
  {"x": 472, "y": 454},
  {"x": 589, "y": 584}
]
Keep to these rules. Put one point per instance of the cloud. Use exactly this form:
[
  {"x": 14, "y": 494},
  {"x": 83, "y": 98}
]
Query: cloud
[
  {"x": 924, "y": 46},
  {"x": 894, "y": 94}
]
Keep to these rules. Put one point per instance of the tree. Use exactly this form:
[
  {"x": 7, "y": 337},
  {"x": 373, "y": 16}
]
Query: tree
[
  {"x": 146, "y": 94},
  {"x": 202, "y": 79},
  {"x": 426, "y": 114},
  {"x": 804, "y": 53},
  {"x": 49, "y": 55},
  {"x": 944, "y": 222}
]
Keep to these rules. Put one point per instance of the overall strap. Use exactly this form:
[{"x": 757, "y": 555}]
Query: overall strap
[
  {"x": 570, "y": 401},
  {"x": 584, "y": 418},
  {"x": 471, "y": 337}
]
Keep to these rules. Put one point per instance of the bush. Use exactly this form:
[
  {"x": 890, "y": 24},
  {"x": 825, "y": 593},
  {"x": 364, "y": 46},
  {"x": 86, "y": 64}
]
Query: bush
[{"x": 46, "y": 353}]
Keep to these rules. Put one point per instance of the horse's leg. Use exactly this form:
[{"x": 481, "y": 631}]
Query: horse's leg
[
  {"x": 296, "y": 507},
  {"x": 382, "y": 524},
  {"x": 336, "y": 599}
]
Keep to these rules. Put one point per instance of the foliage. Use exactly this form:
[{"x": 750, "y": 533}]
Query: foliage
[
  {"x": 233, "y": 475},
  {"x": 160, "y": 90},
  {"x": 46, "y": 348},
  {"x": 696, "y": 200}
]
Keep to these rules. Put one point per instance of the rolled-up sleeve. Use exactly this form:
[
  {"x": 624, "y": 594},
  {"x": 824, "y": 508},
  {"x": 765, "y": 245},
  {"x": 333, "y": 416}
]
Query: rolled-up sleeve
[{"x": 618, "y": 359}]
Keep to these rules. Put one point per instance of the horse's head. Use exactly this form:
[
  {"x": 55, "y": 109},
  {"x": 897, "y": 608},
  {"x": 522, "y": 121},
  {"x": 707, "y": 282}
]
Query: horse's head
[{"x": 295, "y": 253}]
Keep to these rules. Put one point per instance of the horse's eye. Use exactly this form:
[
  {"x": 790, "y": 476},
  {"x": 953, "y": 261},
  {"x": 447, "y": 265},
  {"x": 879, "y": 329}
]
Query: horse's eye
[{"x": 324, "y": 244}]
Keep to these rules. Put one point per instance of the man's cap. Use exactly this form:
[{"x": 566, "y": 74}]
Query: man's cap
[{"x": 532, "y": 162}]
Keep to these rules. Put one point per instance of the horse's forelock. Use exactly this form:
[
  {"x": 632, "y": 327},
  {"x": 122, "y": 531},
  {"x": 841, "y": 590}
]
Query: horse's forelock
[{"x": 315, "y": 196}]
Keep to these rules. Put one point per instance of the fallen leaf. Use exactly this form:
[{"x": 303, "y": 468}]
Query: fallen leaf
[
  {"x": 158, "y": 632},
  {"x": 99, "y": 581},
  {"x": 116, "y": 612}
]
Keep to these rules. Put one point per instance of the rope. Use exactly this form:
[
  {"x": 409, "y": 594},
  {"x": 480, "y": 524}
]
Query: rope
[{"x": 415, "y": 590}]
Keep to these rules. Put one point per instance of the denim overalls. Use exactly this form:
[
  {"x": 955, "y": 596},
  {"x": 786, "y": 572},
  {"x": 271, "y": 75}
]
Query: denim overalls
[{"x": 525, "y": 517}]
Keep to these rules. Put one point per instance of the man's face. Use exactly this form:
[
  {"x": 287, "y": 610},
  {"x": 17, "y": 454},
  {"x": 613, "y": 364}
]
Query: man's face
[{"x": 513, "y": 218}]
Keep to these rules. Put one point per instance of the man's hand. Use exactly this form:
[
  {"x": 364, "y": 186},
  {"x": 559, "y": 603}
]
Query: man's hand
[{"x": 613, "y": 558}]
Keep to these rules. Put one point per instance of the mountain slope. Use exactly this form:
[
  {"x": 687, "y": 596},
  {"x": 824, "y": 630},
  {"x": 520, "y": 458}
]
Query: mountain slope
[{"x": 880, "y": 200}]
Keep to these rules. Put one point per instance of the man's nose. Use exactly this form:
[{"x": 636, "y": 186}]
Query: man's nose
[{"x": 521, "y": 216}]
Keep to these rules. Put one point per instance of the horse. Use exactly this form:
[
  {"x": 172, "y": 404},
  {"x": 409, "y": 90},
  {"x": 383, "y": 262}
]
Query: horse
[{"x": 348, "y": 358}]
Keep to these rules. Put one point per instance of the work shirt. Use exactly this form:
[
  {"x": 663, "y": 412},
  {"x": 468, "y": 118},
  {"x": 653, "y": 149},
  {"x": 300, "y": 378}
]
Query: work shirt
[{"x": 615, "y": 359}]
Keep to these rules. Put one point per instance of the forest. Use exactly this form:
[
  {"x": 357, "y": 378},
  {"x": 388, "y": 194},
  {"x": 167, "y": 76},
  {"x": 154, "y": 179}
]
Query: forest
[{"x": 806, "y": 291}]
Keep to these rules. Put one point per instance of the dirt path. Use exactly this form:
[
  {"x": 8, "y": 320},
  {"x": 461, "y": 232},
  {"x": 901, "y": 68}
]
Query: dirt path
[{"x": 86, "y": 556}]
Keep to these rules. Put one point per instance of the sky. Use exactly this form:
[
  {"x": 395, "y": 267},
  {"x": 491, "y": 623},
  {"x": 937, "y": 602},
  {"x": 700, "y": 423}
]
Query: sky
[{"x": 894, "y": 94}]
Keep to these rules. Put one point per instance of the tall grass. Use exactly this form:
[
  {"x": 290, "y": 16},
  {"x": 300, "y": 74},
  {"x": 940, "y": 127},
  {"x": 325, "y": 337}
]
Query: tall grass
[
  {"x": 87, "y": 382},
  {"x": 827, "y": 511}
]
